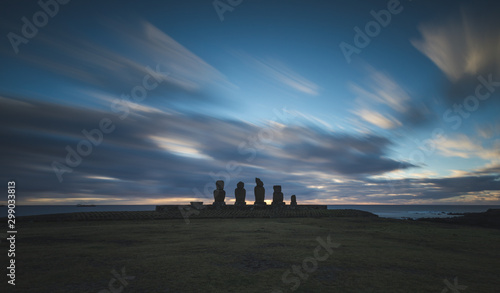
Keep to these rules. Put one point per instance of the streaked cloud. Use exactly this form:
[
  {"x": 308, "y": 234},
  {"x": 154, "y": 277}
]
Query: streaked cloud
[
  {"x": 381, "y": 101},
  {"x": 149, "y": 51},
  {"x": 377, "y": 119},
  {"x": 177, "y": 152},
  {"x": 460, "y": 46},
  {"x": 186, "y": 69},
  {"x": 179, "y": 147},
  {"x": 381, "y": 89},
  {"x": 489, "y": 130},
  {"x": 462, "y": 146},
  {"x": 311, "y": 118},
  {"x": 281, "y": 73}
]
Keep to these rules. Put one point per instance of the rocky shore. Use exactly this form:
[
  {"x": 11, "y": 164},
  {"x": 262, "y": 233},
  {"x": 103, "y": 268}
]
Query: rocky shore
[{"x": 489, "y": 219}]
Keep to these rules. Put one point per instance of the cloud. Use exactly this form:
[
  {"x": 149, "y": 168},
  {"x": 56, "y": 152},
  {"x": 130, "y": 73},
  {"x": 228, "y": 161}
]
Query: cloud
[
  {"x": 281, "y": 73},
  {"x": 463, "y": 189},
  {"x": 164, "y": 155},
  {"x": 489, "y": 130},
  {"x": 464, "y": 47},
  {"x": 460, "y": 46},
  {"x": 336, "y": 153},
  {"x": 377, "y": 119},
  {"x": 462, "y": 146},
  {"x": 312, "y": 119},
  {"x": 456, "y": 186},
  {"x": 492, "y": 168},
  {"x": 382, "y": 102},
  {"x": 381, "y": 89},
  {"x": 109, "y": 68},
  {"x": 187, "y": 70}
]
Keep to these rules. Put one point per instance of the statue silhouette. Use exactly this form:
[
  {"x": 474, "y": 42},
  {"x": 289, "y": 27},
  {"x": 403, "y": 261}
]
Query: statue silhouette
[
  {"x": 259, "y": 192},
  {"x": 219, "y": 193},
  {"x": 277, "y": 195},
  {"x": 240, "y": 194}
]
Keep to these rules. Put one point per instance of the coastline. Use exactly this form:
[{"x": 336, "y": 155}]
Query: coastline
[{"x": 383, "y": 211}]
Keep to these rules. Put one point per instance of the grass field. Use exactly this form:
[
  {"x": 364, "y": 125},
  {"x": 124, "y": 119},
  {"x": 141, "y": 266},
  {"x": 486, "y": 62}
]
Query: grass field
[{"x": 254, "y": 255}]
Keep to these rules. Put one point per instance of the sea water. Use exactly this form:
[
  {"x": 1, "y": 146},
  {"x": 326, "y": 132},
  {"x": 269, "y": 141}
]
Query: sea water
[{"x": 417, "y": 211}]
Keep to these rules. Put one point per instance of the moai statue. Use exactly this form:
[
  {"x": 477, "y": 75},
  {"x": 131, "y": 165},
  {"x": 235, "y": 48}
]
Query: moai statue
[
  {"x": 293, "y": 200},
  {"x": 219, "y": 194},
  {"x": 240, "y": 193},
  {"x": 277, "y": 196},
  {"x": 260, "y": 192}
]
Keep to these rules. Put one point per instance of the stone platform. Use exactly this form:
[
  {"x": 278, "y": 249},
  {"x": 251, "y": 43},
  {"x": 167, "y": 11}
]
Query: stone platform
[{"x": 200, "y": 206}]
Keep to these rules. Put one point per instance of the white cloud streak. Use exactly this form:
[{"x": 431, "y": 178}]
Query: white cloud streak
[
  {"x": 459, "y": 47},
  {"x": 281, "y": 73},
  {"x": 377, "y": 119},
  {"x": 463, "y": 147}
]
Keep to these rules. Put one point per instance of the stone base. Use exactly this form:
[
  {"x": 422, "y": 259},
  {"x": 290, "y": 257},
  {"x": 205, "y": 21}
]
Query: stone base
[
  {"x": 260, "y": 205},
  {"x": 222, "y": 205},
  {"x": 240, "y": 203},
  {"x": 219, "y": 204},
  {"x": 278, "y": 205},
  {"x": 197, "y": 205}
]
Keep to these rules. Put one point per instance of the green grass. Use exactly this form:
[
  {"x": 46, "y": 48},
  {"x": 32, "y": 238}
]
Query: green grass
[{"x": 251, "y": 255}]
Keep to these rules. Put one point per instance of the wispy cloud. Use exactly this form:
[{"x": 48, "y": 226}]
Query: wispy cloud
[
  {"x": 464, "y": 147},
  {"x": 173, "y": 152},
  {"x": 460, "y": 46},
  {"x": 281, "y": 73},
  {"x": 112, "y": 69},
  {"x": 489, "y": 130},
  {"x": 380, "y": 100},
  {"x": 380, "y": 88},
  {"x": 312, "y": 118},
  {"x": 186, "y": 69},
  {"x": 377, "y": 119}
]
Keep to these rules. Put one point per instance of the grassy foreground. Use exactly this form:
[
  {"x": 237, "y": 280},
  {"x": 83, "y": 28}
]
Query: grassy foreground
[{"x": 254, "y": 255}]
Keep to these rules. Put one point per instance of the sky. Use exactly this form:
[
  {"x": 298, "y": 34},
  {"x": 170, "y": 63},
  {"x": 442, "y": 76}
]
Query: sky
[{"x": 339, "y": 102}]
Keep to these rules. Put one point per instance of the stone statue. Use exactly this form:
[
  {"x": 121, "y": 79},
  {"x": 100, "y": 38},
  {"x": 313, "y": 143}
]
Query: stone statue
[
  {"x": 277, "y": 196},
  {"x": 219, "y": 193},
  {"x": 240, "y": 193},
  {"x": 293, "y": 200},
  {"x": 260, "y": 192}
]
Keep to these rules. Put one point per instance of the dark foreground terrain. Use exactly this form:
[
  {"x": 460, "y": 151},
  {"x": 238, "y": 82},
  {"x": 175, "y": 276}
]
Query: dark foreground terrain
[{"x": 328, "y": 254}]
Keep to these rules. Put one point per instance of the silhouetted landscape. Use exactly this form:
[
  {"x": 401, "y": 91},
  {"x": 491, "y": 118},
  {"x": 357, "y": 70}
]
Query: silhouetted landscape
[{"x": 222, "y": 252}]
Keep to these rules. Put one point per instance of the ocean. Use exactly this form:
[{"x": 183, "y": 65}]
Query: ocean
[
  {"x": 386, "y": 211},
  {"x": 417, "y": 211}
]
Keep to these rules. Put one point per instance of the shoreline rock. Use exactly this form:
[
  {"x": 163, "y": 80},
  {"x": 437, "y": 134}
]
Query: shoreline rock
[{"x": 488, "y": 219}]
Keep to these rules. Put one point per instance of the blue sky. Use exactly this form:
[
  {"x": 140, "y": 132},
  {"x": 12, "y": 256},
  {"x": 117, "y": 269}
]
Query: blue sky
[{"x": 190, "y": 92}]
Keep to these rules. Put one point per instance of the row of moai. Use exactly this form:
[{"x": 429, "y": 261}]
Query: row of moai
[{"x": 259, "y": 192}]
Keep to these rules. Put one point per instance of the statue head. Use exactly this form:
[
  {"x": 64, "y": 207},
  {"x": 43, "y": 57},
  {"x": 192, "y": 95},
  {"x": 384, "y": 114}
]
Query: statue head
[
  {"x": 219, "y": 184},
  {"x": 240, "y": 185},
  {"x": 259, "y": 182},
  {"x": 277, "y": 188}
]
